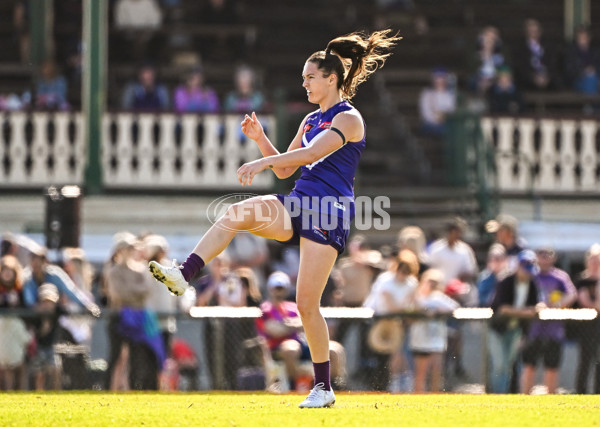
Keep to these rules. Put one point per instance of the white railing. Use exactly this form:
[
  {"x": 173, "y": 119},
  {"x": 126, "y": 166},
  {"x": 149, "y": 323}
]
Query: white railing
[
  {"x": 545, "y": 155},
  {"x": 40, "y": 149},
  {"x": 138, "y": 150}
]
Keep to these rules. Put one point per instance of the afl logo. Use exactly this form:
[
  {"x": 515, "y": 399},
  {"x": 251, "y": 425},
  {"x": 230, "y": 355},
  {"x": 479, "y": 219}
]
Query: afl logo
[
  {"x": 263, "y": 213},
  {"x": 307, "y": 128}
]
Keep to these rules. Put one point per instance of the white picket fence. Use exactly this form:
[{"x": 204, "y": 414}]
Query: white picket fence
[
  {"x": 559, "y": 156},
  {"x": 138, "y": 150}
]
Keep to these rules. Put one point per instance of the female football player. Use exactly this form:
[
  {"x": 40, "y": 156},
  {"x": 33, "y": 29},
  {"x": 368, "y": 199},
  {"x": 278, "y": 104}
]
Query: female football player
[{"x": 318, "y": 211}]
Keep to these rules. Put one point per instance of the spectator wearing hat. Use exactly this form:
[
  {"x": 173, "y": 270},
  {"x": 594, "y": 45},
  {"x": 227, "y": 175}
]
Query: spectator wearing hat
[
  {"x": 281, "y": 326},
  {"x": 514, "y": 304},
  {"x": 588, "y": 285},
  {"x": 194, "y": 96},
  {"x": 545, "y": 339},
  {"x": 436, "y": 102},
  {"x": 493, "y": 273},
  {"x": 43, "y": 364},
  {"x": 41, "y": 271},
  {"x": 504, "y": 97},
  {"x": 429, "y": 337}
]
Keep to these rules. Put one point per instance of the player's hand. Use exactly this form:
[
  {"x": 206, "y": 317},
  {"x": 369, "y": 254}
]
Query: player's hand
[
  {"x": 247, "y": 171},
  {"x": 252, "y": 127}
]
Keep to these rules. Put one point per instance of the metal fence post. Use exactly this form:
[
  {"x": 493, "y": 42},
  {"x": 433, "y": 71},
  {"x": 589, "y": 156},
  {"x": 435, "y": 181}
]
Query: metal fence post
[{"x": 218, "y": 354}]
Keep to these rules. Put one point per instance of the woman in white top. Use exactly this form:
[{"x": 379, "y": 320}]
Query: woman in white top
[
  {"x": 428, "y": 338},
  {"x": 393, "y": 290}
]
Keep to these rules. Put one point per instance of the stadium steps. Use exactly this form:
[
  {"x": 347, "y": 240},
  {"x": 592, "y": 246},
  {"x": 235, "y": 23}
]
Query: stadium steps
[{"x": 426, "y": 207}]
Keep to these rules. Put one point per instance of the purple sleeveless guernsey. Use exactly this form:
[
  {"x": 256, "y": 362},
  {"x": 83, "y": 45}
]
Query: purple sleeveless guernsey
[{"x": 332, "y": 175}]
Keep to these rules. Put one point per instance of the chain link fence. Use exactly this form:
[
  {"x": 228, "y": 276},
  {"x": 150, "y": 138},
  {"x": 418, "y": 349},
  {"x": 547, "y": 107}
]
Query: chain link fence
[{"x": 218, "y": 348}]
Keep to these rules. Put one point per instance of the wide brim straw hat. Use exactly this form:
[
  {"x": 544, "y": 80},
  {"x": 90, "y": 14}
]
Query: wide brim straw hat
[{"x": 386, "y": 336}]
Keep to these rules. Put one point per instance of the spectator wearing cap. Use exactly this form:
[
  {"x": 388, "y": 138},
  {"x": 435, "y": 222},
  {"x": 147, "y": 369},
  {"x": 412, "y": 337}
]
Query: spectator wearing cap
[
  {"x": 514, "y": 304},
  {"x": 436, "y": 102},
  {"x": 588, "y": 285},
  {"x": 545, "y": 339},
  {"x": 128, "y": 288},
  {"x": 281, "y": 326},
  {"x": 43, "y": 364},
  {"x": 504, "y": 97},
  {"x": 195, "y": 96},
  {"x": 41, "y": 271},
  {"x": 493, "y": 273}
]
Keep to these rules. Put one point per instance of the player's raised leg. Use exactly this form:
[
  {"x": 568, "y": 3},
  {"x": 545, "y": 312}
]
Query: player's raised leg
[
  {"x": 264, "y": 216},
  {"x": 316, "y": 262}
]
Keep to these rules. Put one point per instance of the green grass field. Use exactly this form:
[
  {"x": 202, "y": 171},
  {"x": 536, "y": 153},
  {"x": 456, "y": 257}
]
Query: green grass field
[{"x": 351, "y": 409}]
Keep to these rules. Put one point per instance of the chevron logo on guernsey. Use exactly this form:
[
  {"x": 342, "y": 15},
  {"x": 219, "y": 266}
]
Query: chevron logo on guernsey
[{"x": 325, "y": 125}]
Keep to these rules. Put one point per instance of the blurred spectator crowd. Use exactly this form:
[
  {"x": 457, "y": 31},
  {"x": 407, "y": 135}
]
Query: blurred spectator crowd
[
  {"x": 421, "y": 281},
  {"x": 149, "y": 35}
]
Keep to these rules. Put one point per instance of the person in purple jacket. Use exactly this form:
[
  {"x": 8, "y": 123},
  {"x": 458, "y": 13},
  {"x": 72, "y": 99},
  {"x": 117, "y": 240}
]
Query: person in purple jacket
[
  {"x": 317, "y": 213},
  {"x": 555, "y": 290},
  {"x": 194, "y": 96}
]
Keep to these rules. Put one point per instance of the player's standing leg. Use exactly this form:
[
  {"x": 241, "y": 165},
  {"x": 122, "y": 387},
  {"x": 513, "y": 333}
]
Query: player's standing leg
[{"x": 316, "y": 262}]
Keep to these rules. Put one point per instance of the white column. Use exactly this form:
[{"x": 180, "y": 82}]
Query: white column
[
  {"x": 589, "y": 157},
  {"x": 145, "y": 176},
  {"x": 62, "y": 150},
  {"x": 17, "y": 150},
  {"x": 505, "y": 158},
  {"x": 211, "y": 152},
  {"x": 189, "y": 151},
  {"x": 167, "y": 152},
  {"x": 546, "y": 179},
  {"x": 526, "y": 156},
  {"x": 123, "y": 173},
  {"x": 40, "y": 173},
  {"x": 566, "y": 156}
]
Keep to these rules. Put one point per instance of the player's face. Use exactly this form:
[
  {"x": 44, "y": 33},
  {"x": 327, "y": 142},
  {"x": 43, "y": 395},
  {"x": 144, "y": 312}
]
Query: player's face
[{"x": 316, "y": 84}]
